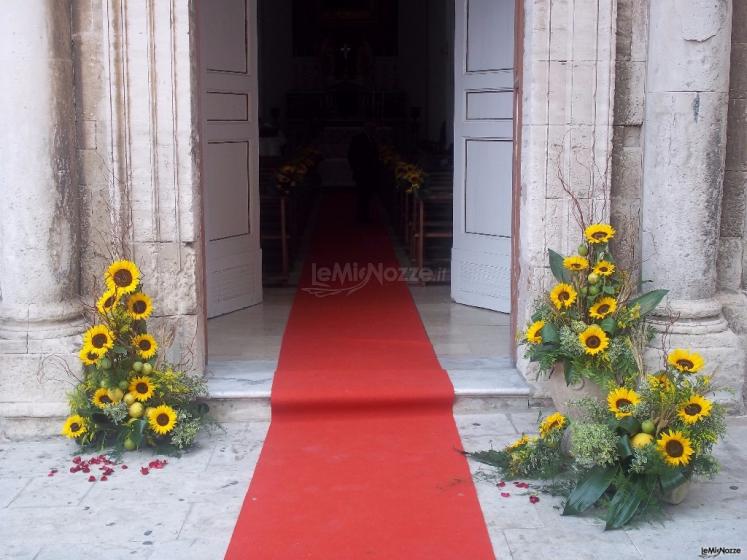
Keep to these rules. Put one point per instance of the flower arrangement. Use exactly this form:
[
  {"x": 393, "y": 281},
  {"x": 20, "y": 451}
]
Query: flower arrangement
[
  {"x": 407, "y": 176},
  {"x": 293, "y": 172},
  {"x": 589, "y": 321},
  {"x": 628, "y": 454},
  {"x": 128, "y": 397}
]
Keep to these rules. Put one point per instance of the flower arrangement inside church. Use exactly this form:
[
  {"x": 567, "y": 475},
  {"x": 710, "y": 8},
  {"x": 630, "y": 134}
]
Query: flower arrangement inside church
[
  {"x": 632, "y": 453},
  {"x": 407, "y": 176},
  {"x": 129, "y": 397},
  {"x": 296, "y": 169},
  {"x": 590, "y": 321}
]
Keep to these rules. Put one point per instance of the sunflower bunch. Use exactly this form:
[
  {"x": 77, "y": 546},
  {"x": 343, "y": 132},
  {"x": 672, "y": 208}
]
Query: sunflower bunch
[
  {"x": 588, "y": 320},
  {"x": 294, "y": 171},
  {"x": 409, "y": 176},
  {"x": 128, "y": 397}
]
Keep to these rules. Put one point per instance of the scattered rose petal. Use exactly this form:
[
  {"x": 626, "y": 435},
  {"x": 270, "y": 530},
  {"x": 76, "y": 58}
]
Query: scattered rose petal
[
  {"x": 104, "y": 478},
  {"x": 91, "y": 478},
  {"x": 505, "y": 494},
  {"x": 77, "y": 459},
  {"x": 124, "y": 467},
  {"x": 144, "y": 470},
  {"x": 501, "y": 484},
  {"x": 74, "y": 469},
  {"x": 534, "y": 499}
]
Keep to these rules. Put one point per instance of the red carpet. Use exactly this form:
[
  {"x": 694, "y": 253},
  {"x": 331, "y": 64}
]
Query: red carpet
[{"x": 360, "y": 458}]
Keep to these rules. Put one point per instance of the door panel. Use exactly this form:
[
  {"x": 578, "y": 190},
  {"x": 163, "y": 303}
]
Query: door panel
[
  {"x": 228, "y": 82},
  {"x": 483, "y": 153}
]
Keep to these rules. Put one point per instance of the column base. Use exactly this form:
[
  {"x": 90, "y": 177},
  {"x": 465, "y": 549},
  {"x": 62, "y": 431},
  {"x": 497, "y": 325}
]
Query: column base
[
  {"x": 694, "y": 326},
  {"x": 40, "y": 321}
]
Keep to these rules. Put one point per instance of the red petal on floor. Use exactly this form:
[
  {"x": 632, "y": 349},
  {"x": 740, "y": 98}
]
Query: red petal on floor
[
  {"x": 505, "y": 494},
  {"x": 144, "y": 470}
]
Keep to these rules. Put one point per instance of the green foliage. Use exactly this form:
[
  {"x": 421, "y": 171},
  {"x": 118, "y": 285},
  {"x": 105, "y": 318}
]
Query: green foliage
[{"x": 593, "y": 445}]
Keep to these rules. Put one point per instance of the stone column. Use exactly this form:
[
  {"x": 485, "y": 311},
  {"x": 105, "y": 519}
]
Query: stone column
[
  {"x": 683, "y": 170},
  {"x": 39, "y": 250}
]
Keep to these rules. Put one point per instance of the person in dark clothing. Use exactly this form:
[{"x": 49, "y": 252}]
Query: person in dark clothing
[{"x": 363, "y": 157}]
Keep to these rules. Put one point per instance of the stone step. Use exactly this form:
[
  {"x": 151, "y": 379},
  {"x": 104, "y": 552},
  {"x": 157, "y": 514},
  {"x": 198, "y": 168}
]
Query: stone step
[{"x": 240, "y": 390}]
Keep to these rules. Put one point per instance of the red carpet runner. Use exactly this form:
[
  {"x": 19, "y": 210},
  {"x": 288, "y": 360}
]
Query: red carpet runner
[{"x": 360, "y": 460}]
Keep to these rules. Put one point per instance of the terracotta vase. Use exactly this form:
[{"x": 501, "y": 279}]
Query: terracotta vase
[{"x": 562, "y": 393}]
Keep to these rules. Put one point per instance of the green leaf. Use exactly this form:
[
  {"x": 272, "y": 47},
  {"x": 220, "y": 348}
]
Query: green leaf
[
  {"x": 671, "y": 479},
  {"x": 589, "y": 489},
  {"x": 550, "y": 334},
  {"x": 609, "y": 290},
  {"x": 136, "y": 430},
  {"x": 623, "y": 447},
  {"x": 648, "y": 301},
  {"x": 120, "y": 350},
  {"x": 568, "y": 372},
  {"x": 608, "y": 325},
  {"x": 491, "y": 457},
  {"x": 558, "y": 270},
  {"x": 630, "y": 424},
  {"x": 623, "y": 506}
]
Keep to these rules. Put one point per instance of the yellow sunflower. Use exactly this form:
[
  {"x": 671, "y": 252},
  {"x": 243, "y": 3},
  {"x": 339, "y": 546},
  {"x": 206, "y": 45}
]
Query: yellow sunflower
[
  {"x": 522, "y": 441},
  {"x": 145, "y": 345},
  {"x": 108, "y": 301},
  {"x": 594, "y": 340},
  {"x": 602, "y": 308},
  {"x": 101, "y": 398},
  {"x": 620, "y": 400},
  {"x": 563, "y": 296},
  {"x": 99, "y": 338},
  {"x": 694, "y": 409},
  {"x": 685, "y": 361},
  {"x": 74, "y": 426},
  {"x": 576, "y": 262},
  {"x": 142, "y": 388},
  {"x": 552, "y": 422},
  {"x": 659, "y": 382},
  {"x": 675, "y": 448},
  {"x": 599, "y": 233},
  {"x": 162, "y": 419},
  {"x": 139, "y": 306},
  {"x": 604, "y": 268},
  {"x": 89, "y": 356},
  {"x": 122, "y": 276},
  {"x": 533, "y": 335}
]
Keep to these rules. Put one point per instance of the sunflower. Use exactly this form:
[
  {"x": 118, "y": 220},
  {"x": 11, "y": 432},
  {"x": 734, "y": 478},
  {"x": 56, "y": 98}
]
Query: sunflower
[
  {"x": 522, "y": 441},
  {"x": 604, "y": 268},
  {"x": 599, "y": 233},
  {"x": 552, "y": 422},
  {"x": 74, "y": 426},
  {"x": 89, "y": 356},
  {"x": 162, "y": 419},
  {"x": 142, "y": 388},
  {"x": 122, "y": 276},
  {"x": 602, "y": 308},
  {"x": 659, "y": 382},
  {"x": 576, "y": 262},
  {"x": 145, "y": 345},
  {"x": 101, "y": 398},
  {"x": 99, "y": 338},
  {"x": 594, "y": 340},
  {"x": 108, "y": 300},
  {"x": 533, "y": 334},
  {"x": 139, "y": 306},
  {"x": 675, "y": 448},
  {"x": 694, "y": 409},
  {"x": 685, "y": 361},
  {"x": 563, "y": 296},
  {"x": 620, "y": 400}
]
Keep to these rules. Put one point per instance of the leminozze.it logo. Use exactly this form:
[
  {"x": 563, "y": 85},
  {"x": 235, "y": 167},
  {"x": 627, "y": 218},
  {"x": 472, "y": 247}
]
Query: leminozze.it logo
[
  {"x": 715, "y": 551},
  {"x": 348, "y": 278}
]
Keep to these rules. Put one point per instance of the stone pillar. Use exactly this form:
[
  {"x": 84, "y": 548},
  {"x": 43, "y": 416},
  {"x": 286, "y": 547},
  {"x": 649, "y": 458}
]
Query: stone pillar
[
  {"x": 40, "y": 312},
  {"x": 683, "y": 170},
  {"x": 39, "y": 257}
]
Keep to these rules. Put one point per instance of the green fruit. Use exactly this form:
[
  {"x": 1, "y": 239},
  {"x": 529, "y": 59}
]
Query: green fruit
[
  {"x": 648, "y": 426},
  {"x": 584, "y": 291},
  {"x": 137, "y": 366},
  {"x": 104, "y": 383},
  {"x": 115, "y": 394},
  {"x": 593, "y": 278},
  {"x": 593, "y": 290},
  {"x": 129, "y": 445},
  {"x": 642, "y": 440},
  {"x": 105, "y": 363},
  {"x": 124, "y": 384},
  {"x": 129, "y": 398},
  {"x": 147, "y": 368},
  {"x": 136, "y": 410},
  {"x": 583, "y": 250}
]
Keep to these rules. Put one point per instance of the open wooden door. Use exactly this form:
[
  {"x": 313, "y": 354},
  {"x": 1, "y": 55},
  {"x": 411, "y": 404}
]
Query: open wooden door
[
  {"x": 483, "y": 153},
  {"x": 230, "y": 160}
]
